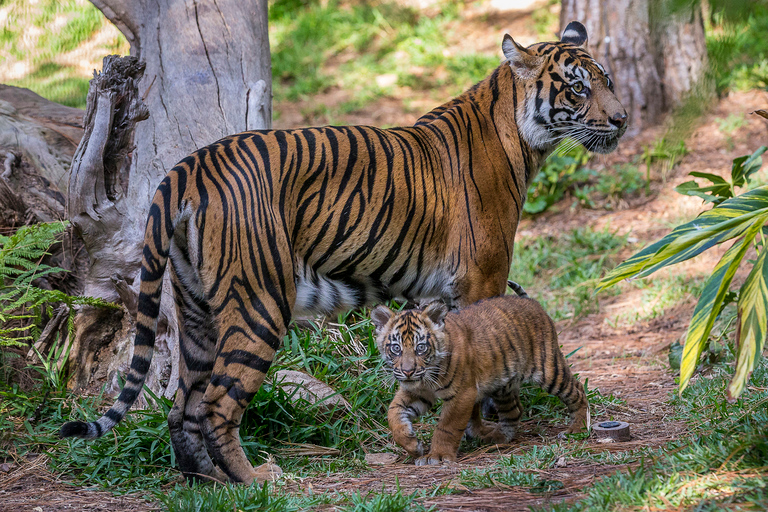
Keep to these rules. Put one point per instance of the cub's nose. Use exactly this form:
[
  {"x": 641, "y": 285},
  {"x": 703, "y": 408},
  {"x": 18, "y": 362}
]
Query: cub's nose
[{"x": 619, "y": 119}]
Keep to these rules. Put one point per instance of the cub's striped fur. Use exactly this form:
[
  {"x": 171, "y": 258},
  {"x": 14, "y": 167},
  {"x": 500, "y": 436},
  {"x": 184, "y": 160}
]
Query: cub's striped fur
[
  {"x": 267, "y": 225},
  {"x": 482, "y": 351}
]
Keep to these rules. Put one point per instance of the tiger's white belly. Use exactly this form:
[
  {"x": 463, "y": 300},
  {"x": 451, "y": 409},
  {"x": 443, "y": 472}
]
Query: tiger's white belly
[{"x": 317, "y": 294}]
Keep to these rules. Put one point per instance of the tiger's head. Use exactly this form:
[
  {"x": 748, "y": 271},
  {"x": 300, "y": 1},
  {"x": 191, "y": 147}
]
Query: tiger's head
[
  {"x": 412, "y": 342},
  {"x": 567, "y": 93}
]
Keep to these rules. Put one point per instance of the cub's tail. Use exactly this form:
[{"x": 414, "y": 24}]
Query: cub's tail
[
  {"x": 517, "y": 289},
  {"x": 162, "y": 219}
]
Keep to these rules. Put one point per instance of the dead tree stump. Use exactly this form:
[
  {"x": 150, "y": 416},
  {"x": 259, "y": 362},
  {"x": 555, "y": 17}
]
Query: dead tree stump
[{"x": 104, "y": 219}]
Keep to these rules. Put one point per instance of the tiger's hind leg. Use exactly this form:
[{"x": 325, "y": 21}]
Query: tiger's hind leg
[
  {"x": 509, "y": 408},
  {"x": 197, "y": 349},
  {"x": 573, "y": 395},
  {"x": 250, "y": 332},
  {"x": 486, "y": 431}
]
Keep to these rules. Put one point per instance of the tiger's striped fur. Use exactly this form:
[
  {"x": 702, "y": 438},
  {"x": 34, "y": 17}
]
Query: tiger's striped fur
[
  {"x": 264, "y": 226},
  {"x": 482, "y": 351}
]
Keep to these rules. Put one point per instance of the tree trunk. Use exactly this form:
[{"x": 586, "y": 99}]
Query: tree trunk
[
  {"x": 208, "y": 75},
  {"x": 654, "y": 55}
]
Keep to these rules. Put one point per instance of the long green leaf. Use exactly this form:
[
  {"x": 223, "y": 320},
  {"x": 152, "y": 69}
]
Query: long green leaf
[
  {"x": 745, "y": 166},
  {"x": 727, "y": 220},
  {"x": 695, "y": 242},
  {"x": 753, "y": 318},
  {"x": 709, "y": 303}
]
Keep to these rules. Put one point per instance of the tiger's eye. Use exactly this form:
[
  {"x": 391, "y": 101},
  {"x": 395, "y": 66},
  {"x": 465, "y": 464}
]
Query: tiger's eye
[
  {"x": 395, "y": 349},
  {"x": 577, "y": 87},
  {"x": 421, "y": 348}
]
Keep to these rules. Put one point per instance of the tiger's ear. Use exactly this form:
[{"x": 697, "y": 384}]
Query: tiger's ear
[
  {"x": 436, "y": 311},
  {"x": 380, "y": 315},
  {"x": 576, "y": 34},
  {"x": 523, "y": 63}
]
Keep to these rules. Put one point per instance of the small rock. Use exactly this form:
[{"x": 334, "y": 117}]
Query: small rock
[
  {"x": 560, "y": 462},
  {"x": 310, "y": 390},
  {"x": 606, "y": 440},
  {"x": 5, "y": 467},
  {"x": 380, "y": 459}
]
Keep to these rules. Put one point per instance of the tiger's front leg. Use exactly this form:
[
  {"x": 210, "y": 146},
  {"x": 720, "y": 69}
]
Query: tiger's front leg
[
  {"x": 455, "y": 416},
  {"x": 404, "y": 409}
]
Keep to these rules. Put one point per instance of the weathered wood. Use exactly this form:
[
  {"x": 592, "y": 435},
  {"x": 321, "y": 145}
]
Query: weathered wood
[
  {"x": 207, "y": 75},
  {"x": 654, "y": 56},
  {"x": 99, "y": 210}
]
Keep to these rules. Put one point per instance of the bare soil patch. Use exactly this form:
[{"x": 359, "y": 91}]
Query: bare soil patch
[{"x": 29, "y": 486}]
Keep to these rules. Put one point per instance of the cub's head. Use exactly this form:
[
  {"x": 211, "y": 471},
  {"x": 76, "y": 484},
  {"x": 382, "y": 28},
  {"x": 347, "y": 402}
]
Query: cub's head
[
  {"x": 412, "y": 342},
  {"x": 567, "y": 93}
]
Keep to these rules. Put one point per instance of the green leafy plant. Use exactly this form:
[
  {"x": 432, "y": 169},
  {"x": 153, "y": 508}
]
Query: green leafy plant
[
  {"x": 742, "y": 218},
  {"x": 21, "y": 257},
  {"x": 22, "y": 301},
  {"x": 561, "y": 171},
  {"x": 721, "y": 189}
]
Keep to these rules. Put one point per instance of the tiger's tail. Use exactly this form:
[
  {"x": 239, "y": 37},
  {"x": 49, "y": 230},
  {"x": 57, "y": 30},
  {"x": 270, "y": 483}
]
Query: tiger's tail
[
  {"x": 517, "y": 289},
  {"x": 161, "y": 221}
]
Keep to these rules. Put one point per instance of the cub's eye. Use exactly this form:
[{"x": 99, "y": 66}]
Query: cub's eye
[
  {"x": 577, "y": 87},
  {"x": 421, "y": 348},
  {"x": 395, "y": 350}
]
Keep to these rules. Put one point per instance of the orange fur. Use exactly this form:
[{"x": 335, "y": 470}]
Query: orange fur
[{"x": 482, "y": 351}]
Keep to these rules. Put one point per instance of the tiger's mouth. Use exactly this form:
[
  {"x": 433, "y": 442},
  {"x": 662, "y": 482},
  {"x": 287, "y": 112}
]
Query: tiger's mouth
[{"x": 602, "y": 142}]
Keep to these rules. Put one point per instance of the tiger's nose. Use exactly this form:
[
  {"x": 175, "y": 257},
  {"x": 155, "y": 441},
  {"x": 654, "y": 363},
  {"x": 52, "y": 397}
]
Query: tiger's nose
[
  {"x": 408, "y": 372},
  {"x": 619, "y": 119}
]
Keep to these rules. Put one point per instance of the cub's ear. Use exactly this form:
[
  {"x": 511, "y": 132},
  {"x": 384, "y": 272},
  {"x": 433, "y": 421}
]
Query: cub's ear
[
  {"x": 380, "y": 315},
  {"x": 523, "y": 63},
  {"x": 576, "y": 34},
  {"x": 436, "y": 311}
]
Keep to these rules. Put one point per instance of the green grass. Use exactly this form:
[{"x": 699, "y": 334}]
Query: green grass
[
  {"x": 737, "y": 45},
  {"x": 39, "y": 34},
  {"x": 57, "y": 83},
  {"x": 317, "y": 46},
  {"x": 561, "y": 271},
  {"x": 719, "y": 461}
]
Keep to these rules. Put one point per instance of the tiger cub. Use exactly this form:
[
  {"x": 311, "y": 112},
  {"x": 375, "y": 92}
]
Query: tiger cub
[{"x": 462, "y": 357}]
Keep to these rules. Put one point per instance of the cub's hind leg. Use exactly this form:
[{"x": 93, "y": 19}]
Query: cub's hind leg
[
  {"x": 486, "y": 431},
  {"x": 197, "y": 350},
  {"x": 571, "y": 392},
  {"x": 509, "y": 408}
]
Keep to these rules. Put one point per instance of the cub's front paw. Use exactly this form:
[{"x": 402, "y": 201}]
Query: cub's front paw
[
  {"x": 412, "y": 445},
  {"x": 433, "y": 458}
]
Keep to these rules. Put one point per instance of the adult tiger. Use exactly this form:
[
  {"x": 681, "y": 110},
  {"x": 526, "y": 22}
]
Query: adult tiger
[{"x": 265, "y": 225}]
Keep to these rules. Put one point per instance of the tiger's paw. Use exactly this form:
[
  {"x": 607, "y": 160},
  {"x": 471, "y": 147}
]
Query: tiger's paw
[
  {"x": 432, "y": 459},
  {"x": 494, "y": 436},
  {"x": 267, "y": 472},
  {"x": 413, "y": 446}
]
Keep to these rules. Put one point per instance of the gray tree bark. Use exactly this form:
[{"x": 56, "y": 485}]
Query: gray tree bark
[
  {"x": 207, "y": 75},
  {"x": 654, "y": 54}
]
